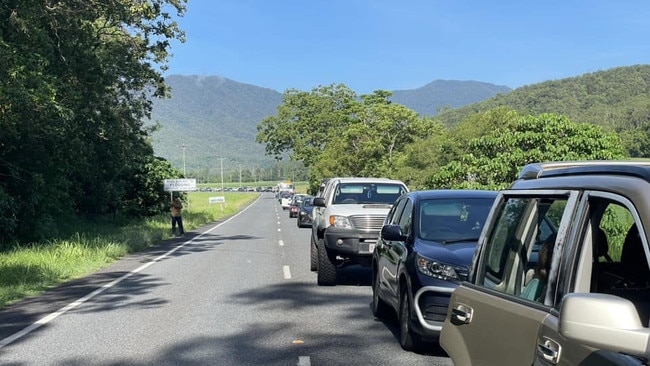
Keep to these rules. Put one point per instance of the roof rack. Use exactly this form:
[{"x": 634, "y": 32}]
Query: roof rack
[{"x": 636, "y": 168}]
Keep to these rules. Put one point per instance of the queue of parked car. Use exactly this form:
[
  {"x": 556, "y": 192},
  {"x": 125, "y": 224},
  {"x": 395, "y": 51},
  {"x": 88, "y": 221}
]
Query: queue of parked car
[{"x": 553, "y": 271}]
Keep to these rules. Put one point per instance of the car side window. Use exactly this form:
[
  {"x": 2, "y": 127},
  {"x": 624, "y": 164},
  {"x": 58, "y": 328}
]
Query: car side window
[
  {"x": 406, "y": 219},
  {"x": 395, "y": 212},
  {"x": 521, "y": 246},
  {"x": 327, "y": 192},
  {"x": 618, "y": 253}
]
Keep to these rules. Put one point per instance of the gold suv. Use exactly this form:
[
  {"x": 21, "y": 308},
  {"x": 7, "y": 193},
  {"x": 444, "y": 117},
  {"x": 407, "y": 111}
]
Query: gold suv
[{"x": 561, "y": 275}]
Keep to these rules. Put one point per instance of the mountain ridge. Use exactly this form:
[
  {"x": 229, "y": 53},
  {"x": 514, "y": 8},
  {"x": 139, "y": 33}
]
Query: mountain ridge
[{"x": 214, "y": 116}]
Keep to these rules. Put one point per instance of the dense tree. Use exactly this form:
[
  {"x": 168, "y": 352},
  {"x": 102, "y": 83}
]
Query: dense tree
[
  {"x": 307, "y": 121},
  {"x": 494, "y": 160},
  {"x": 373, "y": 142},
  {"x": 334, "y": 133},
  {"x": 76, "y": 81}
]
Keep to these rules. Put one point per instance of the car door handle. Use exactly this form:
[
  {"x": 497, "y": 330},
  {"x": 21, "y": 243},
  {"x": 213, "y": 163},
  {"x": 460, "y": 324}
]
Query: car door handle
[
  {"x": 549, "y": 350},
  {"x": 461, "y": 314}
]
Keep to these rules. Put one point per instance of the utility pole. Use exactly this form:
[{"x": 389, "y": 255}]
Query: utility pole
[
  {"x": 221, "y": 159},
  {"x": 184, "y": 146},
  {"x": 239, "y": 175}
]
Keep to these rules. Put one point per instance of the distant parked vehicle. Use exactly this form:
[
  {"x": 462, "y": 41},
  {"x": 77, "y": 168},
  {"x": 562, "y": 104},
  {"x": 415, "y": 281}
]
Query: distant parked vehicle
[
  {"x": 294, "y": 205},
  {"x": 305, "y": 210},
  {"x": 285, "y": 199}
]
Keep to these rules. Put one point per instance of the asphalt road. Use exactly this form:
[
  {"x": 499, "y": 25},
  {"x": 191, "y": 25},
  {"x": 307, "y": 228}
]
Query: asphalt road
[{"x": 238, "y": 292}]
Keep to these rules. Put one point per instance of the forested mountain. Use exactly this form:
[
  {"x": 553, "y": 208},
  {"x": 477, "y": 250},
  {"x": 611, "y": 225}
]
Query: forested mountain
[
  {"x": 440, "y": 94},
  {"x": 216, "y": 116},
  {"x": 617, "y": 98}
]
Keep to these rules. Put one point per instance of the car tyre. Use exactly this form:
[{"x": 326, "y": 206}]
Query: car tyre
[
  {"x": 313, "y": 256},
  {"x": 326, "y": 269},
  {"x": 407, "y": 338},
  {"x": 379, "y": 308}
]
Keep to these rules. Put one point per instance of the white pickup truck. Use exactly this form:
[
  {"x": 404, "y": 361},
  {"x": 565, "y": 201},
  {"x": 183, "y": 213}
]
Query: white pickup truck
[{"x": 347, "y": 219}]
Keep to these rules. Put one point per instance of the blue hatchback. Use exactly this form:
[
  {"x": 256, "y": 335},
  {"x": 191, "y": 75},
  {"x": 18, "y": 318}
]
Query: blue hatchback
[{"x": 424, "y": 251}]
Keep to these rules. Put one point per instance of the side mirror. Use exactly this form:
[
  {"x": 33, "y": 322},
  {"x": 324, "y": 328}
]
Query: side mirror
[
  {"x": 319, "y": 202},
  {"x": 604, "y": 321},
  {"x": 392, "y": 233}
]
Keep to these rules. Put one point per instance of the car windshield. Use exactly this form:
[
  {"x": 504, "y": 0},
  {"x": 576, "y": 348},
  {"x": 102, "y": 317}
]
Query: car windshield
[
  {"x": 297, "y": 199},
  {"x": 453, "y": 219},
  {"x": 368, "y": 193}
]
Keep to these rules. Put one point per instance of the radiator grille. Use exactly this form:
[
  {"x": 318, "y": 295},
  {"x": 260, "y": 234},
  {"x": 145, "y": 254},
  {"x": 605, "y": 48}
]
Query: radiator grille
[{"x": 368, "y": 223}]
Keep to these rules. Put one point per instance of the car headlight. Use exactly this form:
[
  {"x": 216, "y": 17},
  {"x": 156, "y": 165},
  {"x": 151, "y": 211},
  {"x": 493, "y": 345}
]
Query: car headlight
[
  {"x": 436, "y": 269},
  {"x": 340, "y": 222}
]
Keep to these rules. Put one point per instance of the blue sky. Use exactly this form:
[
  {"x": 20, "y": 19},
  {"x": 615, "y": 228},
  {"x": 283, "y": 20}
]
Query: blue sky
[{"x": 395, "y": 45}]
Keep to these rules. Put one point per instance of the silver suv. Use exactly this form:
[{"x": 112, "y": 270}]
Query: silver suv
[
  {"x": 348, "y": 216},
  {"x": 561, "y": 275}
]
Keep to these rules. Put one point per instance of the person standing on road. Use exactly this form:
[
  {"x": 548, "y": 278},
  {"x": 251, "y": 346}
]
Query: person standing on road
[{"x": 177, "y": 218}]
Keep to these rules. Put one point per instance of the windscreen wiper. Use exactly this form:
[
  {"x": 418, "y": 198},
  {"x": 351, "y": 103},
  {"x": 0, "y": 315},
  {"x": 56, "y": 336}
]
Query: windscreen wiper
[{"x": 451, "y": 241}]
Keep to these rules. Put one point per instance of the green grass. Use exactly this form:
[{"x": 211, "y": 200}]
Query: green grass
[{"x": 28, "y": 270}]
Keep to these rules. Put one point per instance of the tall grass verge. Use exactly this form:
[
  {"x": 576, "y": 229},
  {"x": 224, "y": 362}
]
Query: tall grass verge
[{"x": 30, "y": 269}]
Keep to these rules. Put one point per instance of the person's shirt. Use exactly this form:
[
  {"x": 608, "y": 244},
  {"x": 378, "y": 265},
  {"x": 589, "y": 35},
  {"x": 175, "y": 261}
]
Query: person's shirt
[{"x": 176, "y": 208}]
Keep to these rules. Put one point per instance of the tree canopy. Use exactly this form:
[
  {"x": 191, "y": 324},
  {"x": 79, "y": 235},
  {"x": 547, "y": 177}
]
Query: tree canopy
[
  {"x": 493, "y": 161},
  {"x": 336, "y": 133},
  {"x": 76, "y": 82}
]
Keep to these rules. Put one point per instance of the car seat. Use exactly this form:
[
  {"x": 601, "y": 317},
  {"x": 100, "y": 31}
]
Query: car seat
[{"x": 633, "y": 259}]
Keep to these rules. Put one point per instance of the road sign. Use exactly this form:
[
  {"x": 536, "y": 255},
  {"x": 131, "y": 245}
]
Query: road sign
[
  {"x": 176, "y": 185},
  {"x": 218, "y": 199}
]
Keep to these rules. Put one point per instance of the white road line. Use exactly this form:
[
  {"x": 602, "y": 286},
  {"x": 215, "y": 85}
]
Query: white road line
[
  {"x": 281, "y": 242},
  {"x": 287, "y": 272},
  {"x": 48, "y": 318},
  {"x": 304, "y": 361}
]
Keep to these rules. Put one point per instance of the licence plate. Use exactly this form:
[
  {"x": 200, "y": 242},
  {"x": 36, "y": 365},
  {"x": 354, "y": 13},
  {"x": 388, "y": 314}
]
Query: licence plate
[{"x": 371, "y": 247}]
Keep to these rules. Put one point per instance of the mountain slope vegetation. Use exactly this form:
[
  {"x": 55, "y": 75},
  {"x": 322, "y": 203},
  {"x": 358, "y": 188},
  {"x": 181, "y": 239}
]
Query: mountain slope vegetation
[
  {"x": 617, "y": 98},
  {"x": 214, "y": 117},
  {"x": 428, "y": 100}
]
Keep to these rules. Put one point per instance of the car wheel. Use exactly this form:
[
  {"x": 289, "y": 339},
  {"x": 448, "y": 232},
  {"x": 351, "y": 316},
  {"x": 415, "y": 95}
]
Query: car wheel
[
  {"x": 379, "y": 308},
  {"x": 313, "y": 256},
  {"x": 407, "y": 339},
  {"x": 326, "y": 269}
]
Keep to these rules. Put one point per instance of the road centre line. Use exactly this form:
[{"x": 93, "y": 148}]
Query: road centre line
[
  {"x": 287, "y": 272},
  {"x": 281, "y": 243},
  {"x": 48, "y": 318},
  {"x": 304, "y": 361}
]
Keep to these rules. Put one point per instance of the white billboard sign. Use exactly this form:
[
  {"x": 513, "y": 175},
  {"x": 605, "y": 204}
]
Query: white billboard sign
[{"x": 175, "y": 185}]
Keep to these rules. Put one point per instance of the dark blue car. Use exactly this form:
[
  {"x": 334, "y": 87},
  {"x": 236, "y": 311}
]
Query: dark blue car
[
  {"x": 305, "y": 212},
  {"x": 424, "y": 251}
]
